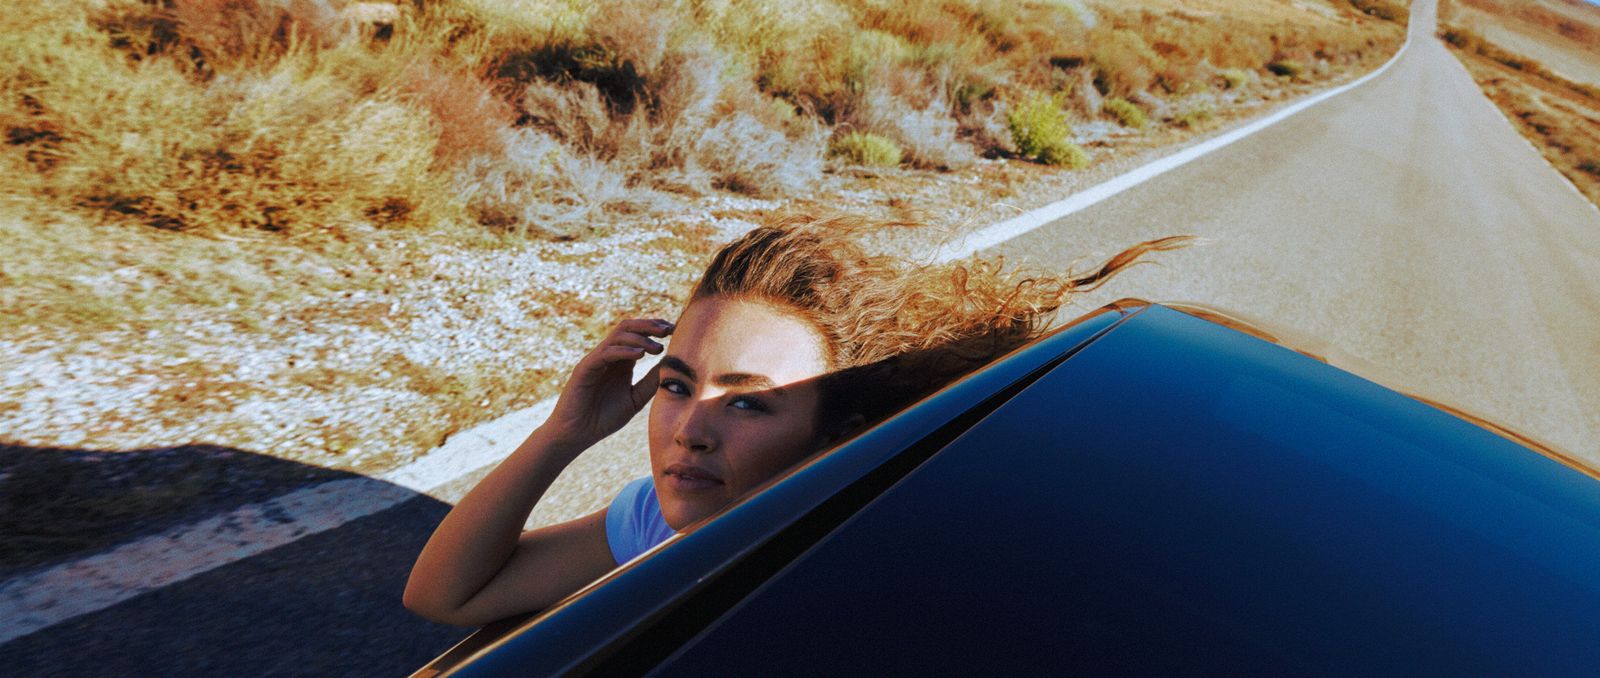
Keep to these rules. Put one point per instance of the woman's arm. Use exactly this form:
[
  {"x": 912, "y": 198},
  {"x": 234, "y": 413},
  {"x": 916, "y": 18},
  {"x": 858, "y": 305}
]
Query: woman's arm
[{"x": 479, "y": 566}]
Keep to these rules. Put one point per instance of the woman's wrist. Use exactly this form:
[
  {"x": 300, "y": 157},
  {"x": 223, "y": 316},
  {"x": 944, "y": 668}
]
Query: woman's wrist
[{"x": 557, "y": 443}]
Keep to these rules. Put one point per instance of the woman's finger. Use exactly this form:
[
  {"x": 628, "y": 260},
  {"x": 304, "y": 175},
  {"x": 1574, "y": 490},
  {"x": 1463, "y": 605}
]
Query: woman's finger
[
  {"x": 614, "y": 354},
  {"x": 636, "y": 341},
  {"x": 651, "y": 327},
  {"x": 646, "y": 388}
]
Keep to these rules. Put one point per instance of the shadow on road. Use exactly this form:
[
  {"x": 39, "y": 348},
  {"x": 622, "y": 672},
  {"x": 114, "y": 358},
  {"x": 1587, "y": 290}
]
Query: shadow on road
[{"x": 327, "y": 604}]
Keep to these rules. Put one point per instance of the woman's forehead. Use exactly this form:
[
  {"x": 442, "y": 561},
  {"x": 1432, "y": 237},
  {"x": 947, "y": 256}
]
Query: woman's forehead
[{"x": 717, "y": 335}]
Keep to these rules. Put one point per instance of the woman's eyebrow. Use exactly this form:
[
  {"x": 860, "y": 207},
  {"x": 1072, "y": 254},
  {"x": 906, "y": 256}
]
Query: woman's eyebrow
[
  {"x": 736, "y": 379},
  {"x": 731, "y": 379},
  {"x": 675, "y": 363}
]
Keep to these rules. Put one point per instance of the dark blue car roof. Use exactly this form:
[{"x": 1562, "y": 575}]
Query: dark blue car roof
[{"x": 1146, "y": 491}]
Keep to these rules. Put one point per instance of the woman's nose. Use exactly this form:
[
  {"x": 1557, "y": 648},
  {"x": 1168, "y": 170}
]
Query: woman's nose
[{"x": 696, "y": 432}]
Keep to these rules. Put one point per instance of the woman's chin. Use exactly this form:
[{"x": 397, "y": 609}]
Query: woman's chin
[{"x": 681, "y": 513}]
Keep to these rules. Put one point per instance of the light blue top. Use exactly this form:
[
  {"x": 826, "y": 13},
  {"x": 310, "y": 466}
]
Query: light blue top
[{"x": 633, "y": 522}]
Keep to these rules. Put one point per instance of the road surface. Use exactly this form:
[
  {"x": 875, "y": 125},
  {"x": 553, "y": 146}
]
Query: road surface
[{"x": 1404, "y": 222}]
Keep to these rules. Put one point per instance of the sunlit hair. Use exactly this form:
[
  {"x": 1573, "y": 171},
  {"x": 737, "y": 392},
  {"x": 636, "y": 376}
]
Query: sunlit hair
[{"x": 894, "y": 330}]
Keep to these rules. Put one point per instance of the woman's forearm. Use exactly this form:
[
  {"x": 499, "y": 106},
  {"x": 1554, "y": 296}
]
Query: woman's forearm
[{"x": 475, "y": 540}]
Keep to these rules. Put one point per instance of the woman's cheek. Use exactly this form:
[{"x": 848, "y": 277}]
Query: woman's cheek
[
  {"x": 663, "y": 412},
  {"x": 782, "y": 443}
]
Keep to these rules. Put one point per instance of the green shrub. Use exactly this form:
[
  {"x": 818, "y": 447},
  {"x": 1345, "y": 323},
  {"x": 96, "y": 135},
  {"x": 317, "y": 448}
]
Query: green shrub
[
  {"x": 1065, "y": 154},
  {"x": 1287, "y": 68},
  {"x": 1193, "y": 117},
  {"x": 1036, "y": 124},
  {"x": 1040, "y": 131},
  {"x": 1383, "y": 9},
  {"x": 1127, "y": 114},
  {"x": 862, "y": 148},
  {"x": 1235, "y": 78}
]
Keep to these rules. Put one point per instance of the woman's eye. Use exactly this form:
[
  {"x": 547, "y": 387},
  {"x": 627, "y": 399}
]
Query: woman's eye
[
  {"x": 674, "y": 387},
  {"x": 748, "y": 403}
]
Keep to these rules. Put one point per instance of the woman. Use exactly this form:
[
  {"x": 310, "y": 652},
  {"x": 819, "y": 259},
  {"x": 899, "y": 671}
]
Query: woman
[{"x": 793, "y": 339}]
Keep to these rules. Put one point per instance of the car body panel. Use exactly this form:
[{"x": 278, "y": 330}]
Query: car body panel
[
  {"x": 1261, "y": 514},
  {"x": 1148, "y": 489}
]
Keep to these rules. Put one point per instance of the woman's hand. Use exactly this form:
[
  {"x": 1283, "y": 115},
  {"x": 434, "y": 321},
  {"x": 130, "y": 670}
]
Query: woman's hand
[
  {"x": 601, "y": 397},
  {"x": 479, "y": 565}
]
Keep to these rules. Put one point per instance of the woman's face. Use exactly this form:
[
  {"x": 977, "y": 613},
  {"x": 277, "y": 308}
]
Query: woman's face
[{"x": 736, "y": 404}]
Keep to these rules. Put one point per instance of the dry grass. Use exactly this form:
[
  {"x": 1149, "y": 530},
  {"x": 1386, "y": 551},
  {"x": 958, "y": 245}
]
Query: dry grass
[
  {"x": 1197, "y": 117},
  {"x": 867, "y": 149},
  {"x": 1125, "y": 113},
  {"x": 299, "y": 119},
  {"x": 1234, "y": 78},
  {"x": 911, "y": 108},
  {"x": 1562, "y": 34},
  {"x": 537, "y": 118},
  {"x": 1562, "y": 23},
  {"x": 1475, "y": 44},
  {"x": 1384, "y": 9},
  {"x": 666, "y": 115},
  {"x": 1560, "y": 117},
  {"x": 288, "y": 146},
  {"x": 538, "y": 182},
  {"x": 471, "y": 119}
]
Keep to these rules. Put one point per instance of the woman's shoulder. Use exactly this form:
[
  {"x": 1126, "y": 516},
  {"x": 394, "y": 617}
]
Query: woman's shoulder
[{"x": 634, "y": 522}]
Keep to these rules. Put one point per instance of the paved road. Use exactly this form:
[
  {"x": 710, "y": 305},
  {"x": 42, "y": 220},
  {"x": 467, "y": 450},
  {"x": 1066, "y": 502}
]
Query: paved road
[
  {"x": 1405, "y": 223},
  {"x": 326, "y": 605}
]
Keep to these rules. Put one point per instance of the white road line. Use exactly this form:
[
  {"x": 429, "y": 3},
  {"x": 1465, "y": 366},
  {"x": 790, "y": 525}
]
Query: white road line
[
  {"x": 47, "y": 597},
  {"x": 53, "y": 595},
  {"x": 1011, "y": 228}
]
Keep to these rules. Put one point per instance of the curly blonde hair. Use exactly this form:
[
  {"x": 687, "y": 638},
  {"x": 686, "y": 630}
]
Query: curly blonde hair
[{"x": 894, "y": 330}]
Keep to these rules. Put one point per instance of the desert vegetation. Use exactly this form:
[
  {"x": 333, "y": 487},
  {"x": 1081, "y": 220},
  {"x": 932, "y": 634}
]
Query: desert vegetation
[
  {"x": 863, "y": 148},
  {"x": 1126, "y": 114},
  {"x": 1476, "y": 45},
  {"x": 1383, "y": 9},
  {"x": 1559, "y": 23},
  {"x": 1560, "y": 34},
  {"x": 1041, "y": 132},
  {"x": 1560, "y": 116},
  {"x": 531, "y": 116},
  {"x": 339, "y": 231}
]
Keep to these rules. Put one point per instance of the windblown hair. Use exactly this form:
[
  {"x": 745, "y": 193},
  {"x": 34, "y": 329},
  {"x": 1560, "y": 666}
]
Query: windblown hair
[{"x": 894, "y": 330}]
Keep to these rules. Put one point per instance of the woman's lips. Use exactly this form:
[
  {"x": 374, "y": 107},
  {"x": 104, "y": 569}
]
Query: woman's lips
[{"x": 690, "y": 478}]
